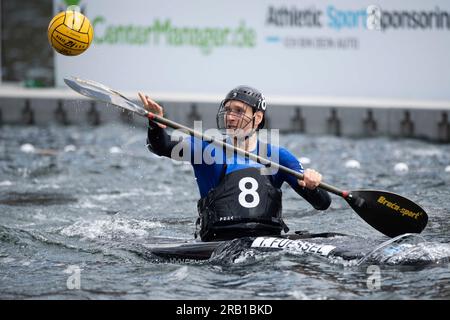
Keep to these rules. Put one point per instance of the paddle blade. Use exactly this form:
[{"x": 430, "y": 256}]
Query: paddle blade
[
  {"x": 388, "y": 212},
  {"x": 98, "y": 91}
]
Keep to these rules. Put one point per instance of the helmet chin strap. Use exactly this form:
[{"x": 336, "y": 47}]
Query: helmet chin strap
[
  {"x": 251, "y": 132},
  {"x": 253, "y": 125}
]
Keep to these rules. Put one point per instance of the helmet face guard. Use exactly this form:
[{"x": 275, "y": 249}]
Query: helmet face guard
[
  {"x": 233, "y": 122},
  {"x": 250, "y": 97}
]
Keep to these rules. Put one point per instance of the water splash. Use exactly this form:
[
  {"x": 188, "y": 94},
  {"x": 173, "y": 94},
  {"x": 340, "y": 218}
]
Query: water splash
[
  {"x": 408, "y": 249},
  {"x": 114, "y": 228}
]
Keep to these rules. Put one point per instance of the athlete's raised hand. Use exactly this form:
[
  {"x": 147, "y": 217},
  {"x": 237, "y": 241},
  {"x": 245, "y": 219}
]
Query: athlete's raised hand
[{"x": 151, "y": 106}]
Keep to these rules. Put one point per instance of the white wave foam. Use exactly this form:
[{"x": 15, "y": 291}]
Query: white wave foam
[
  {"x": 401, "y": 167},
  {"x": 7, "y": 260},
  {"x": 26, "y": 263},
  {"x": 422, "y": 252},
  {"x": 131, "y": 193},
  {"x": 110, "y": 228},
  {"x": 245, "y": 257},
  {"x": 305, "y": 160},
  {"x": 115, "y": 150},
  {"x": 252, "y": 256},
  {"x": 40, "y": 216},
  {"x": 352, "y": 164},
  {"x": 48, "y": 186},
  {"x": 70, "y": 148},
  {"x": 179, "y": 274},
  {"x": 107, "y": 197},
  {"x": 86, "y": 204},
  {"x": 299, "y": 295},
  {"x": 27, "y": 148},
  {"x": 6, "y": 183}
]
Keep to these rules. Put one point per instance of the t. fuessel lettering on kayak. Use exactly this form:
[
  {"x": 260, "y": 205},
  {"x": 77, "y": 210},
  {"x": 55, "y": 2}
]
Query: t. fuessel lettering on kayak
[{"x": 280, "y": 243}]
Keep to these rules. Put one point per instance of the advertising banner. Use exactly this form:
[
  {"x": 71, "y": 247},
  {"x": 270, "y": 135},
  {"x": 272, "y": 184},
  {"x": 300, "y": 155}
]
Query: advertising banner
[{"x": 343, "y": 48}]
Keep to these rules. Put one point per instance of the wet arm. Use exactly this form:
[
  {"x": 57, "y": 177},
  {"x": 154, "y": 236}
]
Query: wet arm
[
  {"x": 318, "y": 198},
  {"x": 158, "y": 141}
]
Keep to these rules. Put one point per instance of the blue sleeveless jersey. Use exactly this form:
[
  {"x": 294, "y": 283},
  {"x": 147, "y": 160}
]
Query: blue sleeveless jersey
[{"x": 208, "y": 161}]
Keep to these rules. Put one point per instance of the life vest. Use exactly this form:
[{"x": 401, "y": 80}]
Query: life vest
[{"x": 244, "y": 204}]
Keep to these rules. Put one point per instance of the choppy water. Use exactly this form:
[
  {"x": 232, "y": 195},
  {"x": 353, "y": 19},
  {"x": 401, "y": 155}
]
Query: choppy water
[{"x": 89, "y": 199}]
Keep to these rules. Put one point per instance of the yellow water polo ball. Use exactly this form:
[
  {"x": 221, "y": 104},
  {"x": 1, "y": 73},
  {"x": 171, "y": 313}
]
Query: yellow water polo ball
[{"x": 70, "y": 33}]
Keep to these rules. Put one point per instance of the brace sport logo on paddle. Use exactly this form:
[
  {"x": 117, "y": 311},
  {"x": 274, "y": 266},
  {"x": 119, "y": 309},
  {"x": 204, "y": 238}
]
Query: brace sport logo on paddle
[{"x": 394, "y": 206}]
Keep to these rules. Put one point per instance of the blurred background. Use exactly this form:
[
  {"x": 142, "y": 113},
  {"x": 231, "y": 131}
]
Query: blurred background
[
  {"x": 26, "y": 56},
  {"x": 343, "y": 68}
]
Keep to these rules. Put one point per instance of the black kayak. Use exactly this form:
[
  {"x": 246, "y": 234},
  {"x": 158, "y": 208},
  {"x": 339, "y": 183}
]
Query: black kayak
[
  {"x": 198, "y": 250},
  {"x": 404, "y": 249}
]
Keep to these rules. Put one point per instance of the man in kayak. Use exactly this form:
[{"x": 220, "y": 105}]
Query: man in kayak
[{"x": 238, "y": 199}]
